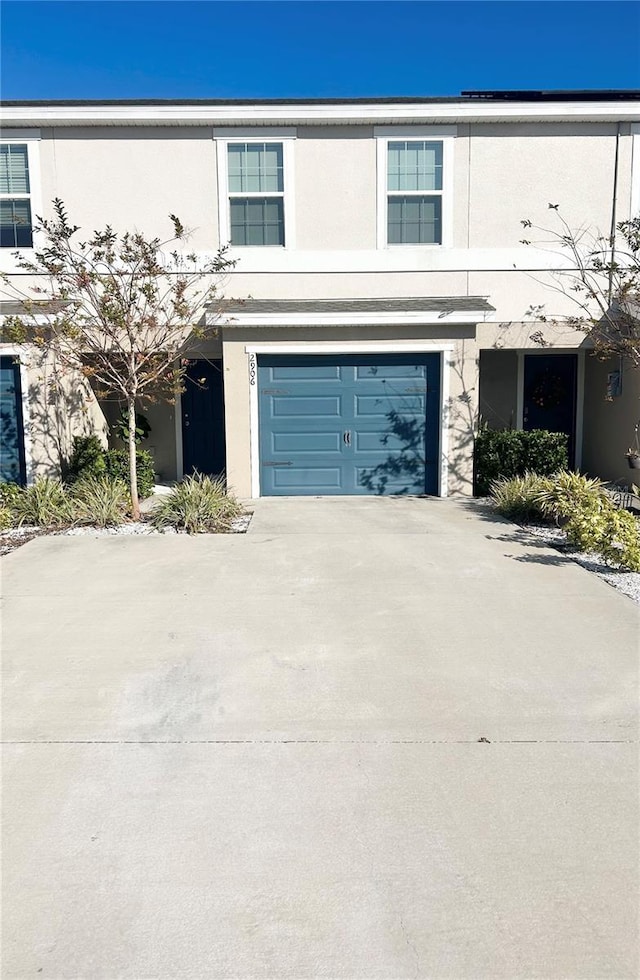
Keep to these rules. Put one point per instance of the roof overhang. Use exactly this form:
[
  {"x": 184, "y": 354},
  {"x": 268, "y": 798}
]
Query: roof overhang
[
  {"x": 312, "y": 113},
  {"x": 377, "y": 312}
]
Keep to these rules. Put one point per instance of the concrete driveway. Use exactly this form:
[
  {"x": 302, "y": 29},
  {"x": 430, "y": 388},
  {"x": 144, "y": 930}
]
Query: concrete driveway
[{"x": 372, "y": 738}]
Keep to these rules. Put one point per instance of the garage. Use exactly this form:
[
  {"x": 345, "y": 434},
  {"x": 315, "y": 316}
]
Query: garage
[{"x": 349, "y": 424}]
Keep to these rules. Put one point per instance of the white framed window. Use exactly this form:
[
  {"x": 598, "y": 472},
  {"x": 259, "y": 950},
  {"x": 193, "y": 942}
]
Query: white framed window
[
  {"x": 255, "y": 188},
  {"x": 415, "y": 182},
  {"x": 19, "y": 187}
]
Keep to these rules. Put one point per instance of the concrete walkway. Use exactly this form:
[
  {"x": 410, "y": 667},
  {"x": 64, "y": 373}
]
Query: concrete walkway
[{"x": 372, "y": 738}]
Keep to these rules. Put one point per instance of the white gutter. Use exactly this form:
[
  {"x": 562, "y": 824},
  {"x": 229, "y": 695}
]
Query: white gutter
[{"x": 208, "y": 115}]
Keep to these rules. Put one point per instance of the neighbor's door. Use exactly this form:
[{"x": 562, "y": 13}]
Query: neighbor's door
[
  {"x": 203, "y": 446},
  {"x": 12, "y": 461},
  {"x": 550, "y": 395}
]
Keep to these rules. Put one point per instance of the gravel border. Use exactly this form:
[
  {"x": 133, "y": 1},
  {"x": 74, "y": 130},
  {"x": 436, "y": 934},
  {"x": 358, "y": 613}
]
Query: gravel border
[
  {"x": 13, "y": 538},
  {"x": 626, "y": 582}
]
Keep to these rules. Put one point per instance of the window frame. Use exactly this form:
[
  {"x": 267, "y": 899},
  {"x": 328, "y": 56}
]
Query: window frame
[
  {"x": 286, "y": 138},
  {"x": 31, "y": 139},
  {"x": 430, "y": 134}
]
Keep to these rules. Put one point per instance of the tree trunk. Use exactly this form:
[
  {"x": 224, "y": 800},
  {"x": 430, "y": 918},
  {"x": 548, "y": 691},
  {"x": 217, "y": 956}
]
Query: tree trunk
[{"x": 133, "y": 462}]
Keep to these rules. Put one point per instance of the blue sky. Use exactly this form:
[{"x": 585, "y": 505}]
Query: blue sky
[{"x": 264, "y": 49}]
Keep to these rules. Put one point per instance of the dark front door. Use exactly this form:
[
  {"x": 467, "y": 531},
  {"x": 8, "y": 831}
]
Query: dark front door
[
  {"x": 12, "y": 463},
  {"x": 550, "y": 395},
  {"x": 203, "y": 448}
]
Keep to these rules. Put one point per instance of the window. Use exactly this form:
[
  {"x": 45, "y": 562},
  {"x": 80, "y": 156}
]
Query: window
[
  {"x": 255, "y": 174},
  {"x": 415, "y": 183},
  {"x": 414, "y": 192},
  {"x": 15, "y": 197}
]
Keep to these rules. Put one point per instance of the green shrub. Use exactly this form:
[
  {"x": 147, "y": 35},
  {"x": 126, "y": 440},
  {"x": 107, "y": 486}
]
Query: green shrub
[
  {"x": 9, "y": 493},
  {"x": 87, "y": 459},
  {"x": 117, "y": 463},
  {"x": 560, "y": 496},
  {"x": 505, "y": 453},
  {"x": 43, "y": 504},
  {"x": 197, "y": 504},
  {"x": 518, "y": 498},
  {"x": 6, "y": 518},
  {"x": 615, "y": 534},
  {"x": 99, "y": 501}
]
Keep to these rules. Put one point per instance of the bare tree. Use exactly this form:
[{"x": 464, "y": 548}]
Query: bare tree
[
  {"x": 121, "y": 309},
  {"x": 602, "y": 280}
]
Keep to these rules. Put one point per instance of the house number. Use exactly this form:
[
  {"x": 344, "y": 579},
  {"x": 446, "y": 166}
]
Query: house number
[{"x": 252, "y": 369}]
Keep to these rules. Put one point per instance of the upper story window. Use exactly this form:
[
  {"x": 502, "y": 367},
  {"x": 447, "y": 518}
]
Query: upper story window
[
  {"x": 414, "y": 185},
  {"x": 414, "y": 192},
  {"x": 256, "y": 193},
  {"x": 255, "y": 188},
  {"x": 15, "y": 197}
]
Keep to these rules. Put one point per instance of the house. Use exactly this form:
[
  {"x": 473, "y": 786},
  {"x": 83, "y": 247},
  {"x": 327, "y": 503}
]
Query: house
[{"x": 378, "y": 307}]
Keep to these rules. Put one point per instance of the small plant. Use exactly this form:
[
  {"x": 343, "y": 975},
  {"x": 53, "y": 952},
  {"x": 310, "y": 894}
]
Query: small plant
[
  {"x": 9, "y": 493},
  {"x": 505, "y": 453},
  {"x": 121, "y": 427},
  {"x": 43, "y": 504},
  {"x": 615, "y": 534},
  {"x": 633, "y": 453},
  {"x": 518, "y": 498},
  {"x": 117, "y": 464},
  {"x": 99, "y": 501},
  {"x": 197, "y": 504},
  {"x": 566, "y": 492},
  {"x": 6, "y": 518},
  {"x": 87, "y": 458}
]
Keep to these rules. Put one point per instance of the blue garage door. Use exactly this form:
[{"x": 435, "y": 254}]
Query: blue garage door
[{"x": 353, "y": 424}]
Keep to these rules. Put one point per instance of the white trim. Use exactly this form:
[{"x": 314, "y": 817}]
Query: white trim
[
  {"x": 579, "y": 433},
  {"x": 383, "y": 193},
  {"x": 32, "y": 142},
  {"x": 411, "y": 317},
  {"x": 252, "y": 114},
  {"x": 396, "y": 259},
  {"x": 287, "y": 194},
  {"x": 178, "y": 431},
  {"x": 357, "y": 347},
  {"x": 254, "y": 423},
  {"x": 443, "y": 474},
  {"x": 20, "y": 354},
  {"x": 635, "y": 171}
]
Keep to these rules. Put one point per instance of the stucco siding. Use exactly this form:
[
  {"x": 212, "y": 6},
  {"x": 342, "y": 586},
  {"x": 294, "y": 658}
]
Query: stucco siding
[{"x": 608, "y": 425}]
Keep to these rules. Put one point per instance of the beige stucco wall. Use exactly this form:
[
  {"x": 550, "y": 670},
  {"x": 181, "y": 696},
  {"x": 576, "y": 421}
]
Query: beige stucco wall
[
  {"x": 462, "y": 403},
  {"x": 133, "y": 178},
  {"x": 60, "y": 405},
  {"x": 498, "y": 388},
  {"x": 608, "y": 425}
]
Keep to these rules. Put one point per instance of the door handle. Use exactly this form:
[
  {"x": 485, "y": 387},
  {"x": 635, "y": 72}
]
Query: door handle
[{"x": 346, "y": 437}]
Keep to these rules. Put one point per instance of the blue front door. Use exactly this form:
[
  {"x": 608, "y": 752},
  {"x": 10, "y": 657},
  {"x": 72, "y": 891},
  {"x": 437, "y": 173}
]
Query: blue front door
[
  {"x": 203, "y": 444},
  {"x": 12, "y": 462},
  {"x": 352, "y": 424}
]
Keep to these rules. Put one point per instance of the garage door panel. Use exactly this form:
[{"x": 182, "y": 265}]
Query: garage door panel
[
  {"x": 351, "y": 424},
  {"x": 306, "y": 442},
  {"x": 308, "y": 479},
  {"x": 397, "y": 372},
  {"x": 323, "y": 372},
  {"x": 370, "y": 405},
  {"x": 300, "y": 406}
]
